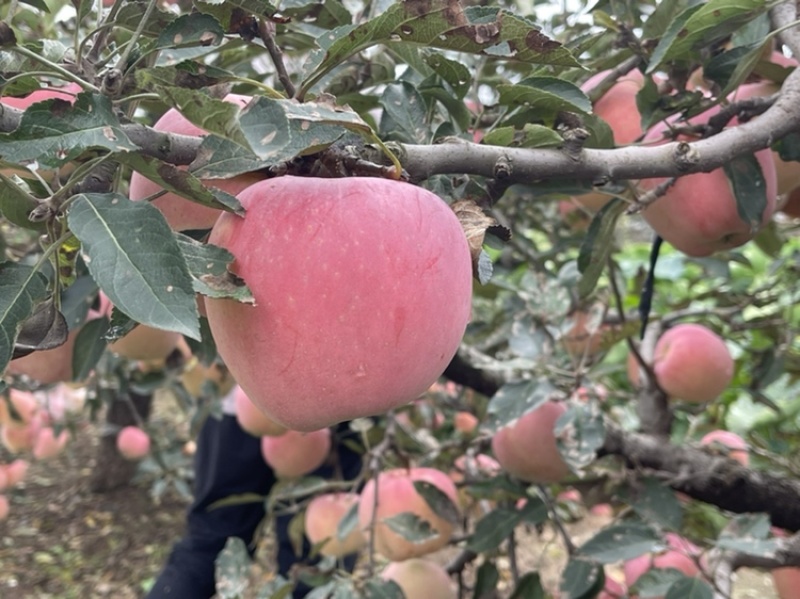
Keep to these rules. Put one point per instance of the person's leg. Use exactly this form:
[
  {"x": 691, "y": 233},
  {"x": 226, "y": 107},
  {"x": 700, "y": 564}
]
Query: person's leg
[{"x": 228, "y": 462}]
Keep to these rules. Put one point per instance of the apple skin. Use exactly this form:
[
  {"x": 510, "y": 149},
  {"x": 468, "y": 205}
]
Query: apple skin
[
  {"x": 737, "y": 447},
  {"x": 692, "y": 363},
  {"x": 180, "y": 213},
  {"x": 465, "y": 422},
  {"x": 792, "y": 205},
  {"x": 67, "y": 93},
  {"x": 133, "y": 443},
  {"x": 363, "y": 293},
  {"x": 48, "y": 445},
  {"x": 294, "y": 454},
  {"x": 698, "y": 214},
  {"x": 253, "y": 420},
  {"x": 618, "y": 108},
  {"x": 14, "y": 473},
  {"x": 143, "y": 342},
  {"x": 4, "y": 507},
  {"x": 421, "y": 579},
  {"x": 680, "y": 555},
  {"x": 397, "y": 495},
  {"x": 322, "y": 518},
  {"x": 48, "y": 366},
  {"x": 527, "y": 448}
]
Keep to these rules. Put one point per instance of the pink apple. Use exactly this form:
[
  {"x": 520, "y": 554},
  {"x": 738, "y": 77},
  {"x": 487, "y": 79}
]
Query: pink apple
[
  {"x": 133, "y": 443},
  {"x": 421, "y": 579},
  {"x": 322, "y": 518},
  {"x": 296, "y": 453}
]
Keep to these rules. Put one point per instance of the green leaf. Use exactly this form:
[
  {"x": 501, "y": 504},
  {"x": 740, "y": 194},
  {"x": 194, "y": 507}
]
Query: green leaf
[
  {"x": 656, "y": 503},
  {"x": 493, "y": 529},
  {"x": 486, "y": 581},
  {"x": 453, "y": 72},
  {"x": 530, "y": 136},
  {"x": 232, "y": 14},
  {"x": 21, "y": 289},
  {"x": 54, "y": 133},
  {"x": 196, "y": 29},
  {"x": 131, "y": 253},
  {"x": 90, "y": 344},
  {"x": 580, "y": 432},
  {"x": 232, "y": 569},
  {"x": 411, "y": 527},
  {"x": 348, "y": 523},
  {"x": 188, "y": 74},
  {"x": 597, "y": 245},
  {"x": 545, "y": 96},
  {"x": 130, "y": 17},
  {"x": 690, "y": 588},
  {"x": 276, "y": 588},
  {"x": 749, "y": 188},
  {"x": 513, "y": 400},
  {"x": 208, "y": 267},
  {"x": 488, "y": 31},
  {"x": 404, "y": 117},
  {"x": 581, "y": 577},
  {"x": 702, "y": 25},
  {"x": 529, "y": 586},
  {"x": 376, "y": 588},
  {"x": 439, "y": 502},
  {"x": 620, "y": 542},
  {"x": 730, "y": 69},
  {"x": 45, "y": 328},
  {"x": 16, "y": 205}
]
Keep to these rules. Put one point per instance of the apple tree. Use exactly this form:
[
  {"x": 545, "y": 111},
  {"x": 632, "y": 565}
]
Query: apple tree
[{"x": 582, "y": 218}]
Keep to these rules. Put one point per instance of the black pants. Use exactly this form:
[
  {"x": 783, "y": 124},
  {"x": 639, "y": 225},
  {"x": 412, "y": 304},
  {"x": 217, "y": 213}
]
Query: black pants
[{"x": 229, "y": 462}]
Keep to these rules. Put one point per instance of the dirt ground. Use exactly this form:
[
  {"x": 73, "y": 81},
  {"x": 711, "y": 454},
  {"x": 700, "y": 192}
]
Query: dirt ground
[{"x": 62, "y": 541}]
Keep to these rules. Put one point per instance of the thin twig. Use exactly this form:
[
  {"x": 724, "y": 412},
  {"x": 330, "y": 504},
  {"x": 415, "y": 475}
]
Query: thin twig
[{"x": 266, "y": 29}]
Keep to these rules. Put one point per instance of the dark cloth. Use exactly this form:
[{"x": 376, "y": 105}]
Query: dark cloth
[{"x": 229, "y": 462}]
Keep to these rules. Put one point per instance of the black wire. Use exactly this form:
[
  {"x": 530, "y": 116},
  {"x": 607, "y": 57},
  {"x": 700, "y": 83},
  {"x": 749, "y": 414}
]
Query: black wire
[{"x": 646, "y": 299}]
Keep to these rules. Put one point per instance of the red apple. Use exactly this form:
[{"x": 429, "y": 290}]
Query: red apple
[
  {"x": 363, "y": 292},
  {"x": 791, "y": 207},
  {"x": 698, "y": 214},
  {"x": 737, "y": 447},
  {"x": 133, "y": 443},
  {"x": 421, "y": 579},
  {"x": 15, "y": 472},
  {"x": 48, "y": 445},
  {"x": 680, "y": 554},
  {"x": 322, "y": 518},
  {"x": 787, "y": 582},
  {"x": 143, "y": 342},
  {"x": 465, "y": 422},
  {"x": 294, "y": 454},
  {"x": 527, "y": 448},
  {"x": 397, "y": 495},
  {"x": 692, "y": 363},
  {"x": 182, "y": 214},
  {"x": 253, "y": 420}
]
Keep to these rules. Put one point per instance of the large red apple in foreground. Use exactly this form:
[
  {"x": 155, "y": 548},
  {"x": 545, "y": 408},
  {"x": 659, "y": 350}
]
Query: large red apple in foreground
[
  {"x": 183, "y": 214},
  {"x": 527, "y": 449},
  {"x": 397, "y": 495},
  {"x": 698, "y": 214},
  {"x": 692, "y": 363},
  {"x": 362, "y": 289}
]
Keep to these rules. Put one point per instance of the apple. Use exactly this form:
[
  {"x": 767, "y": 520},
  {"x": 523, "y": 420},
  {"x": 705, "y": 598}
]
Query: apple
[
  {"x": 791, "y": 207},
  {"x": 680, "y": 554},
  {"x": 612, "y": 590},
  {"x": 133, "y": 443},
  {"x": 143, "y": 342},
  {"x": 527, "y": 448},
  {"x": 786, "y": 581},
  {"x": 196, "y": 374},
  {"x": 465, "y": 422},
  {"x": 698, "y": 214},
  {"x": 15, "y": 472},
  {"x": 618, "y": 108},
  {"x": 48, "y": 445},
  {"x": 322, "y": 518},
  {"x": 294, "y": 453},
  {"x": 396, "y": 495},
  {"x": 421, "y": 579},
  {"x": 736, "y": 446},
  {"x": 48, "y": 366},
  {"x": 692, "y": 363},
  {"x": 24, "y": 405},
  {"x": 180, "y": 213},
  {"x": 4, "y": 507},
  {"x": 362, "y": 293},
  {"x": 253, "y": 420}
]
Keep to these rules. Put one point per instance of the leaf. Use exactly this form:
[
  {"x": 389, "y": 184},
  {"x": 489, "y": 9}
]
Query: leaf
[
  {"x": 529, "y": 586},
  {"x": 749, "y": 188},
  {"x": 45, "y": 329},
  {"x": 513, "y": 400},
  {"x": 690, "y": 588},
  {"x": 188, "y": 74},
  {"x": 208, "y": 267},
  {"x": 411, "y": 527},
  {"x": 656, "y": 503},
  {"x": 131, "y": 253},
  {"x": 620, "y": 542},
  {"x": 90, "y": 344},
  {"x": 276, "y": 588},
  {"x": 54, "y": 132},
  {"x": 580, "y": 432},
  {"x": 236, "y": 15},
  {"x": 21, "y": 289},
  {"x": 404, "y": 114},
  {"x": 439, "y": 502},
  {"x": 188, "y": 30},
  {"x": 16, "y": 205},
  {"x": 475, "y": 224},
  {"x": 130, "y": 17},
  {"x": 493, "y": 529},
  {"x": 545, "y": 96},
  {"x": 597, "y": 245},
  {"x": 443, "y": 24},
  {"x": 580, "y": 578},
  {"x": 486, "y": 581},
  {"x": 530, "y": 136},
  {"x": 453, "y": 72},
  {"x": 232, "y": 568},
  {"x": 348, "y": 523},
  {"x": 730, "y": 69},
  {"x": 702, "y": 25}
]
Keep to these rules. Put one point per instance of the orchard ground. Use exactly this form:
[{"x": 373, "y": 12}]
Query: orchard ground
[{"x": 62, "y": 541}]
